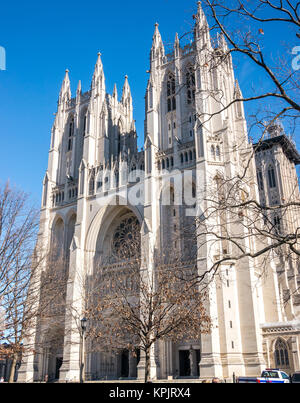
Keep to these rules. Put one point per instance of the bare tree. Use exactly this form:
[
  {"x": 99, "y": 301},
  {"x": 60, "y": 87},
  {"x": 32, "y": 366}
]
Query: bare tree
[
  {"x": 242, "y": 25},
  {"x": 234, "y": 219},
  {"x": 25, "y": 292},
  {"x": 131, "y": 306}
]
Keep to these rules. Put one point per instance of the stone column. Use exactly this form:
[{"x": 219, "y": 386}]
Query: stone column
[{"x": 193, "y": 362}]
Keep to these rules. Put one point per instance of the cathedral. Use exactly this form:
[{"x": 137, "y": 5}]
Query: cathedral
[{"x": 98, "y": 183}]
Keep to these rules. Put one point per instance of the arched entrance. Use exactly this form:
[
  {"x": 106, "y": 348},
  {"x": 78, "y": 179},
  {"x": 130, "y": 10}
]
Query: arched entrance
[{"x": 117, "y": 249}]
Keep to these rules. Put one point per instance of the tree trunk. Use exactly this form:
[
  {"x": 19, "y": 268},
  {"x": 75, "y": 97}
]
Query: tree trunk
[
  {"x": 12, "y": 369},
  {"x": 147, "y": 365}
]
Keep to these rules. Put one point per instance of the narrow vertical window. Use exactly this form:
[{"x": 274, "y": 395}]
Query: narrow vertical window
[
  {"x": 171, "y": 93},
  {"x": 84, "y": 126},
  {"x": 271, "y": 177},
  {"x": 260, "y": 181},
  {"x": 213, "y": 153},
  {"x": 70, "y": 134},
  {"x": 277, "y": 225}
]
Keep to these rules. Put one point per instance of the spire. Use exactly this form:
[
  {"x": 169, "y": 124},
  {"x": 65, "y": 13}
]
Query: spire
[
  {"x": 200, "y": 13},
  {"x": 78, "y": 91},
  {"x": 158, "y": 49},
  {"x": 237, "y": 91},
  {"x": 133, "y": 128},
  {"x": 222, "y": 44},
  {"x": 126, "y": 90},
  {"x": 157, "y": 40},
  {"x": 239, "y": 107},
  {"x": 201, "y": 21},
  {"x": 65, "y": 91},
  {"x": 115, "y": 93},
  {"x": 98, "y": 66},
  {"x": 98, "y": 76},
  {"x": 176, "y": 45}
]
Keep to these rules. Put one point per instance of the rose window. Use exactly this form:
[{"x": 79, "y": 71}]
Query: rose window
[{"x": 126, "y": 239}]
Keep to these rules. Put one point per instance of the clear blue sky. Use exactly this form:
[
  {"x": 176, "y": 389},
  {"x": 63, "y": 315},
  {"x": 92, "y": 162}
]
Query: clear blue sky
[{"x": 42, "y": 39}]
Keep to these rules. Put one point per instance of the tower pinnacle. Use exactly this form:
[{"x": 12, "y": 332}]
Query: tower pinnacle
[
  {"x": 158, "y": 49},
  {"x": 200, "y": 16},
  {"x": 98, "y": 82},
  {"x": 115, "y": 92},
  {"x": 201, "y": 30},
  {"x": 157, "y": 40},
  {"x": 126, "y": 90},
  {"x": 65, "y": 91},
  {"x": 79, "y": 87},
  {"x": 98, "y": 66}
]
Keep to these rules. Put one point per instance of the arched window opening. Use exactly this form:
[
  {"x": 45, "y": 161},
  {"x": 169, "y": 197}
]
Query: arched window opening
[
  {"x": 171, "y": 93},
  {"x": 281, "y": 354},
  {"x": 92, "y": 185},
  {"x": 190, "y": 85}
]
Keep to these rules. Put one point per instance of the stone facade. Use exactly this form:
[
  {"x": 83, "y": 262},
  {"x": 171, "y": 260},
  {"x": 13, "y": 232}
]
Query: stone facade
[{"x": 94, "y": 161}]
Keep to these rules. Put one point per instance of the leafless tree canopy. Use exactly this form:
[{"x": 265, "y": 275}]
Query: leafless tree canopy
[
  {"x": 26, "y": 293},
  {"x": 131, "y": 307},
  {"x": 243, "y": 25},
  {"x": 233, "y": 217}
]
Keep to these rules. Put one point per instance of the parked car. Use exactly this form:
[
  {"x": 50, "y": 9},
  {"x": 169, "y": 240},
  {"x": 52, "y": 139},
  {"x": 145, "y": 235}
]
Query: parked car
[
  {"x": 267, "y": 376},
  {"x": 295, "y": 378}
]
